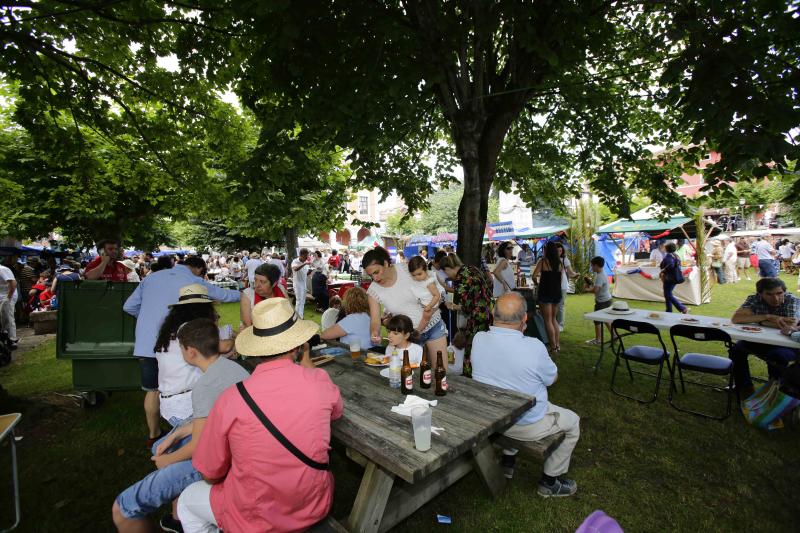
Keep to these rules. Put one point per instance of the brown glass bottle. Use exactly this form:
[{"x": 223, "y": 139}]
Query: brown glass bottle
[
  {"x": 441, "y": 376},
  {"x": 425, "y": 374},
  {"x": 406, "y": 379}
]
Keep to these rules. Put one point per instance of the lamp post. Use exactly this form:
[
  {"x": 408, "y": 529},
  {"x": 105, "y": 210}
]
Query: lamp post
[{"x": 741, "y": 206}]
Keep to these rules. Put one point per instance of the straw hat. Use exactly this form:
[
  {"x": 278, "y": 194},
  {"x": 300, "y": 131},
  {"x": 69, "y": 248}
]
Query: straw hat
[
  {"x": 193, "y": 294},
  {"x": 620, "y": 308},
  {"x": 129, "y": 264},
  {"x": 276, "y": 329}
]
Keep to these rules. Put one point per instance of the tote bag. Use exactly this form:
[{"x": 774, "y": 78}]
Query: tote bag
[{"x": 767, "y": 405}]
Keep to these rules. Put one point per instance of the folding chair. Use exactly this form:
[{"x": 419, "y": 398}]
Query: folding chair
[
  {"x": 702, "y": 363},
  {"x": 646, "y": 355},
  {"x": 7, "y": 424}
]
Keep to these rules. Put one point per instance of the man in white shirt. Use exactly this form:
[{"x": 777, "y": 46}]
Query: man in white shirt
[
  {"x": 300, "y": 268},
  {"x": 766, "y": 258},
  {"x": 729, "y": 261},
  {"x": 252, "y": 264},
  {"x": 8, "y": 299},
  {"x": 505, "y": 358},
  {"x": 278, "y": 262}
]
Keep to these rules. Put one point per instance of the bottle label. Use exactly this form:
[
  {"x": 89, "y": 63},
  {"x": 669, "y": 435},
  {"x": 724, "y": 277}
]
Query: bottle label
[
  {"x": 409, "y": 383},
  {"x": 426, "y": 377},
  {"x": 444, "y": 383}
]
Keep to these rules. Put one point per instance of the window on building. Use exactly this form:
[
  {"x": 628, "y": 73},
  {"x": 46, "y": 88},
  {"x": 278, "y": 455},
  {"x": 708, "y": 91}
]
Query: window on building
[{"x": 363, "y": 205}]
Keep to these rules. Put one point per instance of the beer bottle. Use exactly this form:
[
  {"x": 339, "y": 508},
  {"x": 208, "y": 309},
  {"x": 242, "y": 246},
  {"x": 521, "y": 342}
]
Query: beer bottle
[
  {"x": 467, "y": 369},
  {"x": 441, "y": 376},
  {"x": 406, "y": 380},
  {"x": 425, "y": 374}
]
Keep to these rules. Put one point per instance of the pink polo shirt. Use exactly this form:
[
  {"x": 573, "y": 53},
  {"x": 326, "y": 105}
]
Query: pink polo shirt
[{"x": 266, "y": 488}]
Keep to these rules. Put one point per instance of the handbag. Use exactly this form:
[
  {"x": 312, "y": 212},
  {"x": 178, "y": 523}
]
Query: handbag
[
  {"x": 765, "y": 408},
  {"x": 276, "y": 432}
]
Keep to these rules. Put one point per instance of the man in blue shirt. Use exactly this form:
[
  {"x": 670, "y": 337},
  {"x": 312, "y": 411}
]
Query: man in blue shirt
[
  {"x": 149, "y": 304},
  {"x": 505, "y": 358}
]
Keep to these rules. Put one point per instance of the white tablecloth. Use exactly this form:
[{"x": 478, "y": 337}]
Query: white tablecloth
[
  {"x": 637, "y": 287},
  {"x": 769, "y": 336}
]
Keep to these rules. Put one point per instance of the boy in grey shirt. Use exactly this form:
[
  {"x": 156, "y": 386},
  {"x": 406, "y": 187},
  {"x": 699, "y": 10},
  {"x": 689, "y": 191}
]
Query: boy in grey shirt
[
  {"x": 172, "y": 455},
  {"x": 602, "y": 294}
]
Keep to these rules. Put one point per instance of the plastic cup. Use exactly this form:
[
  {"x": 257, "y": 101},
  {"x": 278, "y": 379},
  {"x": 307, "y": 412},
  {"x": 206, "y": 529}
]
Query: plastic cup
[
  {"x": 355, "y": 349},
  {"x": 421, "y": 422}
]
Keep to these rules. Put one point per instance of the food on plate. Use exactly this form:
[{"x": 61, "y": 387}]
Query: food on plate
[
  {"x": 376, "y": 359},
  {"x": 654, "y": 315}
]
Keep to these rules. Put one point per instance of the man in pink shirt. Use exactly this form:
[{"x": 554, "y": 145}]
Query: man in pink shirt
[{"x": 264, "y": 449}]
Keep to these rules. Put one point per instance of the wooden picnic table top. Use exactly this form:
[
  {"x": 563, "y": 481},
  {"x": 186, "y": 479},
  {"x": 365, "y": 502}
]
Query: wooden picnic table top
[{"x": 469, "y": 413}]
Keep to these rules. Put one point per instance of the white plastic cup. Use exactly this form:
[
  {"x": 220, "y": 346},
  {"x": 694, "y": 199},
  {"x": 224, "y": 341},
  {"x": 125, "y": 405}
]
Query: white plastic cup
[{"x": 421, "y": 422}]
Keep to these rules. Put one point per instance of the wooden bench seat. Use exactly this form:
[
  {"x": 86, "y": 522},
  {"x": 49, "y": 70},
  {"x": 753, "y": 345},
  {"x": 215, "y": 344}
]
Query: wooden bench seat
[
  {"x": 538, "y": 449},
  {"x": 328, "y": 525}
]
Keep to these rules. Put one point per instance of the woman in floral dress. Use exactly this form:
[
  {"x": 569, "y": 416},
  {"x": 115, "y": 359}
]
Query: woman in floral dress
[{"x": 472, "y": 296}]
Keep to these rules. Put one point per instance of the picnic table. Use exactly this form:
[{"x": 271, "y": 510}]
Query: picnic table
[
  {"x": 766, "y": 335},
  {"x": 397, "y": 478},
  {"x": 226, "y": 284}
]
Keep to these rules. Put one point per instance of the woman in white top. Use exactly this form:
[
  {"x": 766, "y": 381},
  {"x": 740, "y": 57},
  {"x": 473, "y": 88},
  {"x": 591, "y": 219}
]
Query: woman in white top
[
  {"x": 504, "y": 280},
  {"x": 176, "y": 377},
  {"x": 566, "y": 274},
  {"x": 394, "y": 289}
]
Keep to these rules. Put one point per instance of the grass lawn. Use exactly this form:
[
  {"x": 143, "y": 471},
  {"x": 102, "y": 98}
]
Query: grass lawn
[{"x": 650, "y": 467}]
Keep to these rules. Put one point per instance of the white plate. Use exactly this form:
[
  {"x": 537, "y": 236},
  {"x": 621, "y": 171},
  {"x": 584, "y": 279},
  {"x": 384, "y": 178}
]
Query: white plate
[{"x": 385, "y": 373}]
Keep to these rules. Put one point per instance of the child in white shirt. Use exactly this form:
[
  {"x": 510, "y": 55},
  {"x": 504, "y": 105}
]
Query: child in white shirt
[
  {"x": 427, "y": 288},
  {"x": 401, "y": 333}
]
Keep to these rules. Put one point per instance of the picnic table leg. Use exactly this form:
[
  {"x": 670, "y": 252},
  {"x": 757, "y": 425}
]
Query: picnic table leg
[
  {"x": 488, "y": 467},
  {"x": 371, "y": 500}
]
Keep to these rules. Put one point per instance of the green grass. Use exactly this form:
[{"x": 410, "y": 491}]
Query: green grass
[{"x": 650, "y": 467}]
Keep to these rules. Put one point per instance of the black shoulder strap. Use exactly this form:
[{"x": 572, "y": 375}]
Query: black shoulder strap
[{"x": 276, "y": 432}]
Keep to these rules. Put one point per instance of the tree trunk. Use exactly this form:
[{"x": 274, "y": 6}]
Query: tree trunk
[
  {"x": 290, "y": 235},
  {"x": 472, "y": 213}
]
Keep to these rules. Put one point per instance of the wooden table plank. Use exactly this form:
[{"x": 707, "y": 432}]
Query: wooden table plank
[
  {"x": 471, "y": 413},
  {"x": 373, "y": 494}
]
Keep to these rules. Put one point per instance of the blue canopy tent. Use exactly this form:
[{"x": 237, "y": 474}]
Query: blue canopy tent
[
  {"x": 607, "y": 248},
  {"x": 415, "y": 243}
]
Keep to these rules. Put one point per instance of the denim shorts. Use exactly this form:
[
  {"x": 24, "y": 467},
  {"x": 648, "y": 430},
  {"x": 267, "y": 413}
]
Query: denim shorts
[
  {"x": 435, "y": 332},
  {"x": 148, "y": 366},
  {"x": 158, "y": 487}
]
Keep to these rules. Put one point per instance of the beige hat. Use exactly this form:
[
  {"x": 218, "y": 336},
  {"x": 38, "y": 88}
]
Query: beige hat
[
  {"x": 276, "y": 329},
  {"x": 620, "y": 308},
  {"x": 129, "y": 264},
  {"x": 193, "y": 294}
]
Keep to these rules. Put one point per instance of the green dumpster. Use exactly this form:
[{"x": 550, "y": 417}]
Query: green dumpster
[{"x": 97, "y": 335}]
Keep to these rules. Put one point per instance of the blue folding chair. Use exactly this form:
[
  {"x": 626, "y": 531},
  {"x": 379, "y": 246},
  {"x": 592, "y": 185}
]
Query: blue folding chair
[
  {"x": 645, "y": 355},
  {"x": 701, "y": 363}
]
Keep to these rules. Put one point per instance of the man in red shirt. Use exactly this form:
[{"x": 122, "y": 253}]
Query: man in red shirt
[
  {"x": 253, "y": 482},
  {"x": 106, "y": 265}
]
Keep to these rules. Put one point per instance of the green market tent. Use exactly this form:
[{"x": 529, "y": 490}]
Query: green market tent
[
  {"x": 368, "y": 243},
  {"x": 541, "y": 231}
]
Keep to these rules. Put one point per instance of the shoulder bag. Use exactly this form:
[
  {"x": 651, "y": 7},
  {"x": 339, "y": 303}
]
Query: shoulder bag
[{"x": 276, "y": 432}]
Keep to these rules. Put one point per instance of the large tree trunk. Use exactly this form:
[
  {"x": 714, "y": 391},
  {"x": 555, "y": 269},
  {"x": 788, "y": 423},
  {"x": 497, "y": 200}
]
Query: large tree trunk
[
  {"x": 290, "y": 235},
  {"x": 472, "y": 213}
]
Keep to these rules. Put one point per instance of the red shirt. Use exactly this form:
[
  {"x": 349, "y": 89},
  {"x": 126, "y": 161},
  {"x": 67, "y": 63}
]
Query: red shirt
[
  {"x": 334, "y": 260},
  {"x": 265, "y": 487},
  {"x": 114, "y": 271}
]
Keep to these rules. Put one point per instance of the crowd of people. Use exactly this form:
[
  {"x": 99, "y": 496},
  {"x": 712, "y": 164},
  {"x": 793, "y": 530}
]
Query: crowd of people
[{"x": 216, "y": 387}]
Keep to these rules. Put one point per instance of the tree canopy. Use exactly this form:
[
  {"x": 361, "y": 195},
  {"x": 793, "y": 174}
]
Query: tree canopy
[{"x": 533, "y": 97}]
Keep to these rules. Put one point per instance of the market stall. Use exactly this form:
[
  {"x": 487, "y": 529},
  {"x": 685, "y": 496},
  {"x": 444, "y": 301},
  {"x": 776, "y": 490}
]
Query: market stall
[{"x": 639, "y": 279}]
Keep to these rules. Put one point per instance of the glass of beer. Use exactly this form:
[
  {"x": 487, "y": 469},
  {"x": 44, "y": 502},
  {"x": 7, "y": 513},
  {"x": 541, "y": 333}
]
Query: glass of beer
[{"x": 355, "y": 349}]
